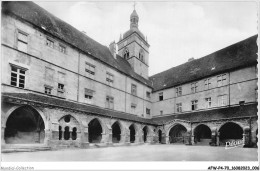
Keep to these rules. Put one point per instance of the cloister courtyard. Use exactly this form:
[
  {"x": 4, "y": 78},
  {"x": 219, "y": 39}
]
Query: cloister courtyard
[{"x": 144, "y": 152}]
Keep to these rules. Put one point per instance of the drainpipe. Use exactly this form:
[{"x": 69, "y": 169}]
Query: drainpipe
[{"x": 229, "y": 89}]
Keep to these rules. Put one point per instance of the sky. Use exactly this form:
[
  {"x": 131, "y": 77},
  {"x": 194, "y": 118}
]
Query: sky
[{"x": 176, "y": 31}]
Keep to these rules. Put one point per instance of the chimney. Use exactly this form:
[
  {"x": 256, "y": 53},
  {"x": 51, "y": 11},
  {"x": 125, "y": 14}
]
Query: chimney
[
  {"x": 112, "y": 48},
  {"x": 191, "y": 59}
]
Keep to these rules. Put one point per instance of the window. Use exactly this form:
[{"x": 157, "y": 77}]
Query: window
[
  {"x": 50, "y": 43},
  {"x": 208, "y": 102},
  {"x": 133, "y": 107},
  {"x": 47, "y": 89},
  {"x": 141, "y": 55},
  {"x": 148, "y": 94},
  {"x": 161, "y": 112},
  {"x": 90, "y": 69},
  {"x": 194, "y": 87},
  {"x": 110, "y": 79},
  {"x": 22, "y": 42},
  {"x": 178, "y": 91},
  {"x": 148, "y": 111},
  {"x": 222, "y": 100},
  {"x": 49, "y": 73},
  {"x": 161, "y": 96},
  {"x": 109, "y": 102},
  {"x": 62, "y": 49},
  {"x": 88, "y": 96},
  {"x": 133, "y": 89},
  {"x": 179, "y": 107},
  {"x": 126, "y": 54},
  {"x": 60, "y": 87},
  {"x": 207, "y": 84},
  {"x": 17, "y": 77},
  {"x": 194, "y": 105},
  {"x": 222, "y": 80}
]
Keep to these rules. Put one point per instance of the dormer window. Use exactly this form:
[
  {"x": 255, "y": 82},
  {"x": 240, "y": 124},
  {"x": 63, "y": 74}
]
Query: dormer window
[{"x": 126, "y": 54}]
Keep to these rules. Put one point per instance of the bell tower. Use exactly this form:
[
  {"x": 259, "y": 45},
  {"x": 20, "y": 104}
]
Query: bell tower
[{"x": 133, "y": 46}]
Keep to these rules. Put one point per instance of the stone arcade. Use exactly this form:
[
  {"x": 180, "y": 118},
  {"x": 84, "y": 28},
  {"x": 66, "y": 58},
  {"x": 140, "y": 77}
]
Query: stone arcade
[{"x": 62, "y": 89}]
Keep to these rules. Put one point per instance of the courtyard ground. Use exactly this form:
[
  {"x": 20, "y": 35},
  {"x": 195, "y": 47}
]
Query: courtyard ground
[{"x": 138, "y": 153}]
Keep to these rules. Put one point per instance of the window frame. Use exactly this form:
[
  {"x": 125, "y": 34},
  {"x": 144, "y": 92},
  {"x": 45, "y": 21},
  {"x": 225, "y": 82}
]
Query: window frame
[
  {"x": 208, "y": 102},
  {"x": 20, "y": 32},
  {"x": 222, "y": 80},
  {"x": 222, "y": 100},
  {"x": 194, "y": 87},
  {"x": 109, "y": 102},
  {"x": 134, "y": 89},
  {"x": 194, "y": 105},
  {"x": 62, "y": 48},
  {"x": 207, "y": 84},
  {"x": 48, "y": 87},
  {"x": 178, "y": 107},
  {"x": 160, "y": 95},
  {"x": 50, "y": 42},
  {"x": 148, "y": 111},
  {"x": 88, "y": 70},
  {"x": 178, "y": 91},
  {"x": 18, "y": 76},
  {"x": 109, "y": 78},
  {"x": 148, "y": 94}
]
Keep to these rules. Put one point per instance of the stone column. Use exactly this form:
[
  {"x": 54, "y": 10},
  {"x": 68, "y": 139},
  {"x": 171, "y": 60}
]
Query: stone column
[
  {"x": 110, "y": 137},
  {"x": 166, "y": 140},
  {"x": 246, "y": 137},
  {"x": 217, "y": 138},
  {"x": 70, "y": 133},
  {"x": 84, "y": 138},
  {"x": 127, "y": 137},
  {"x": 55, "y": 131},
  {"x": 187, "y": 140},
  {"x": 2, "y": 136},
  {"x": 213, "y": 138}
]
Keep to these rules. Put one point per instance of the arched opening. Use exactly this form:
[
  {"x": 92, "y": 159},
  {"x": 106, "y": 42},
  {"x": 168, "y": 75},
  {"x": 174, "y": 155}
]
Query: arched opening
[
  {"x": 145, "y": 132},
  {"x": 95, "y": 131},
  {"x": 74, "y": 133},
  {"x": 24, "y": 126},
  {"x": 126, "y": 54},
  {"x": 141, "y": 55},
  {"x": 177, "y": 134},
  {"x": 230, "y": 131},
  {"x": 60, "y": 132},
  {"x": 116, "y": 133},
  {"x": 160, "y": 136},
  {"x": 68, "y": 127},
  {"x": 67, "y": 133},
  {"x": 202, "y": 135},
  {"x": 132, "y": 133}
]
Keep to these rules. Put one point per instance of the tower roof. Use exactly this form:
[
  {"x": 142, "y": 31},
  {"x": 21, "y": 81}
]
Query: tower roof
[{"x": 134, "y": 14}]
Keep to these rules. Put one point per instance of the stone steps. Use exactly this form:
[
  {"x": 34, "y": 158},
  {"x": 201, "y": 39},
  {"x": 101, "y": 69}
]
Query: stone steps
[{"x": 23, "y": 148}]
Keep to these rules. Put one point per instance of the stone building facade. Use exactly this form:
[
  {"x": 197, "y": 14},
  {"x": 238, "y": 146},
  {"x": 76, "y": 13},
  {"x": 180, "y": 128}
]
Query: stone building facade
[{"x": 61, "y": 88}]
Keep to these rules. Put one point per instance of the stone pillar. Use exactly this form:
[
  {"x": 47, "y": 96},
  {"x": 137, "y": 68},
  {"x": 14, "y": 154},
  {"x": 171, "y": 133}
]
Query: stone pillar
[
  {"x": 70, "y": 133},
  {"x": 213, "y": 138},
  {"x": 187, "y": 140},
  {"x": 127, "y": 136},
  {"x": 217, "y": 138},
  {"x": 84, "y": 138},
  {"x": 138, "y": 138},
  {"x": 2, "y": 136},
  {"x": 149, "y": 139},
  {"x": 246, "y": 137},
  {"x": 166, "y": 140},
  {"x": 110, "y": 137},
  {"x": 55, "y": 131},
  {"x": 47, "y": 137}
]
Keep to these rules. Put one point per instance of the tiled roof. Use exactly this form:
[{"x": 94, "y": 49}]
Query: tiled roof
[
  {"x": 215, "y": 114},
  {"x": 37, "y": 16},
  {"x": 133, "y": 30},
  {"x": 52, "y": 101},
  {"x": 238, "y": 55}
]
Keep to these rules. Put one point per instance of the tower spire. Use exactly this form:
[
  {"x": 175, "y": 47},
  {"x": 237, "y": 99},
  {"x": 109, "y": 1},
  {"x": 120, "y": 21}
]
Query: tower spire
[{"x": 134, "y": 19}]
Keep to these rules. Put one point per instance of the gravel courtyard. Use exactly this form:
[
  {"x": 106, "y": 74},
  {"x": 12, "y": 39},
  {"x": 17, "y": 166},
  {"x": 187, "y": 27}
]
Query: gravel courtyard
[{"x": 139, "y": 153}]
